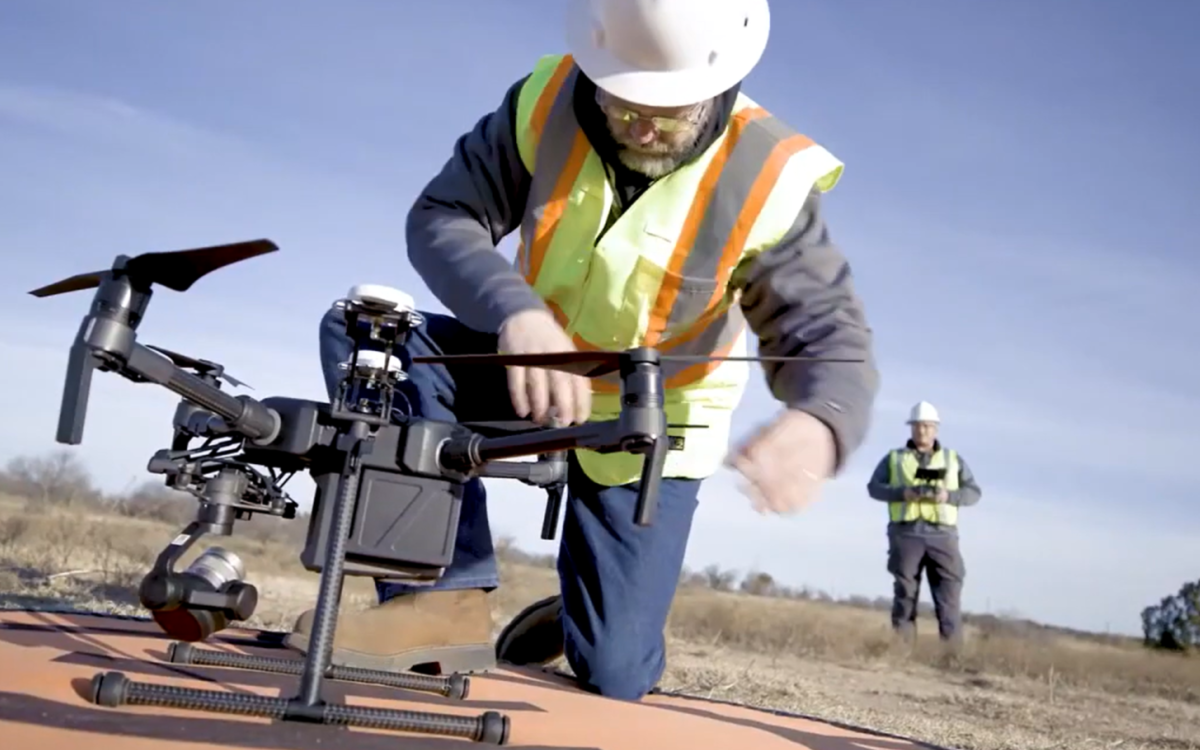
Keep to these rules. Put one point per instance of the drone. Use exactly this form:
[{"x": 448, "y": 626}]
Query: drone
[{"x": 389, "y": 486}]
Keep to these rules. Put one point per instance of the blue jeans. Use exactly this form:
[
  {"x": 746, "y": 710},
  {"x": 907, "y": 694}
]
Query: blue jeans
[{"x": 617, "y": 579}]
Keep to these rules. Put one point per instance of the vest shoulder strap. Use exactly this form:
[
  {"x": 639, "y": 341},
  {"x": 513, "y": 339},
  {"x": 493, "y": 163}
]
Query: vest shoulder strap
[
  {"x": 535, "y": 100},
  {"x": 779, "y": 167}
]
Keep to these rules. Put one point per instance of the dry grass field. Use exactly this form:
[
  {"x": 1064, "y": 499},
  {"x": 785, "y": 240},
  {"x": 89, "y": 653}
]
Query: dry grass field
[{"x": 1010, "y": 688}]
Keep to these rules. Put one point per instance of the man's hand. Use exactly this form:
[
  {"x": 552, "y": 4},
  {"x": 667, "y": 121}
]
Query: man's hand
[
  {"x": 786, "y": 462},
  {"x": 939, "y": 495},
  {"x": 534, "y": 389}
]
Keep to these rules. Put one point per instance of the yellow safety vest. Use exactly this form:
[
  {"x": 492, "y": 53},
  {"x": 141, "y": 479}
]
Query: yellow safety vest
[
  {"x": 660, "y": 275},
  {"x": 902, "y": 472}
]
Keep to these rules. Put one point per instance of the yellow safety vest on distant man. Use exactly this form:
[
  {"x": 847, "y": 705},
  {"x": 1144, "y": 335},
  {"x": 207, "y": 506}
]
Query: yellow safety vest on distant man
[
  {"x": 902, "y": 472},
  {"x": 660, "y": 275}
]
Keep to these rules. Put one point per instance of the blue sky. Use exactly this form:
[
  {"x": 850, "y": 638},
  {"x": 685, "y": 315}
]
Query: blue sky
[{"x": 1018, "y": 177}]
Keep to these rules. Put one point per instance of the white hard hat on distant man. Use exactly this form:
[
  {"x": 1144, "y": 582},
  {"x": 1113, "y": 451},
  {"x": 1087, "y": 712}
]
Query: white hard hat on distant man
[
  {"x": 923, "y": 412},
  {"x": 667, "y": 53}
]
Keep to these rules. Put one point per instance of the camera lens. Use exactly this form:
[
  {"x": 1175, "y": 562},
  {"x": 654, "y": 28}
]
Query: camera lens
[
  {"x": 216, "y": 569},
  {"x": 218, "y": 566}
]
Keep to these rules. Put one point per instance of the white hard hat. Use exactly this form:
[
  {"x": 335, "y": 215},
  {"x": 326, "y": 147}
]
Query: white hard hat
[
  {"x": 923, "y": 412},
  {"x": 667, "y": 53}
]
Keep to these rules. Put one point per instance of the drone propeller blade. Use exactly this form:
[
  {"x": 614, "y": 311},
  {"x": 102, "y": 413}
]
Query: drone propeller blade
[
  {"x": 587, "y": 364},
  {"x": 181, "y": 360},
  {"x": 594, "y": 364},
  {"x": 76, "y": 283},
  {"x": 749, "y": 358},
  {"x": 177, "y": 270},
  {"x": 200, "y": 365},
  {"x": 235, "y": 382}
]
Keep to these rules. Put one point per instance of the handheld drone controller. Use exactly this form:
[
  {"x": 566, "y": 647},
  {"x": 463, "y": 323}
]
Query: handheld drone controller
[
  {"x": 931, "y": 480},
  {"x": 389, "y": 485}
]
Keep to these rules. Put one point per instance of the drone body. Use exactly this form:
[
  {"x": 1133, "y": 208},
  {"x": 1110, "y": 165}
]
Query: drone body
[{"x": 389, "y": 487}]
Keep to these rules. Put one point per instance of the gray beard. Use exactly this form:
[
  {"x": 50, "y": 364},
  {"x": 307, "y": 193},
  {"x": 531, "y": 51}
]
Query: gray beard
[
  {"x": 653, "y": 166},
  {"x": 661, "y": 164}
]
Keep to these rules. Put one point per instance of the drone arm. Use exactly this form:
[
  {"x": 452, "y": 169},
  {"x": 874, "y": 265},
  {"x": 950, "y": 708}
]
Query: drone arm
[
  {"x": 243, "y": 414},
  {"x": 538, "y": 474},
  {"x": 469, "y": 453}
]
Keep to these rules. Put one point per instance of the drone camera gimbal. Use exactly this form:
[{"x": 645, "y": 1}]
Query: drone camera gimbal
[{"x": 389, "y": 484}]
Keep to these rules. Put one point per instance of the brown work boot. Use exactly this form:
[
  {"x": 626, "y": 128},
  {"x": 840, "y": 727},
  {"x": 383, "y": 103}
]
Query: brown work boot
[
  {"x": 439, "y": 632},
  {"x": 534, "y": 636}
]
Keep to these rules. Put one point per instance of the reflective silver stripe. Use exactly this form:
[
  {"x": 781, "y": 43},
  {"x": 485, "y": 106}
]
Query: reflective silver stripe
[
  {"x": 553, "y": 151},
  {"x": 943, "y": 509},
  {"x": 702, "y": 264},
  {"x": 730, "y": 194},
  {"x": 896, "y": 475}
]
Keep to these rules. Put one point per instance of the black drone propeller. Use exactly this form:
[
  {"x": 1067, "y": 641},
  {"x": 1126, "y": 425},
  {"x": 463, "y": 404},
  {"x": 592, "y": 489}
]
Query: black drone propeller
[
  {"x": 201, "y": 366},
  {"x": 176, "y": 270},
  {"x": 593, "y": 364},
  {"x": 133, "y": 279}
]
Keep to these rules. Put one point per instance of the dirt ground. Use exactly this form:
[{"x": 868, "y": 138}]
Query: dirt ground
[{"x": 1005, "y": 691}]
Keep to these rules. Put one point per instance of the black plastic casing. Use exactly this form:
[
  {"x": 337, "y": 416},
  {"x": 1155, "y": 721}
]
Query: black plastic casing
[{"x": 406, "y": 510}]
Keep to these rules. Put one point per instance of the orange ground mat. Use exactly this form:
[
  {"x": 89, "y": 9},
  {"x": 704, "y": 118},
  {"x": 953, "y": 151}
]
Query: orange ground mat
[{"x": 47, "y": 662}]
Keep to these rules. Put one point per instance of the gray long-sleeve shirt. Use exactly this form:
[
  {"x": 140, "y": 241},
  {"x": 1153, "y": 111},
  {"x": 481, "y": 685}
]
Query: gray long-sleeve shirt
[{"x": 798, "y": 297}]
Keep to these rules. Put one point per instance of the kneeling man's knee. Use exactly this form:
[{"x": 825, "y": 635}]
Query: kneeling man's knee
[{"x": 618, "y": 667}]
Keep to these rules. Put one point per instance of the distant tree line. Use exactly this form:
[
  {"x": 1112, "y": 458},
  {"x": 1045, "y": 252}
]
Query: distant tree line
[
  {"x": 1174, "y": 623},
  {"x": 59, "y": 479}
]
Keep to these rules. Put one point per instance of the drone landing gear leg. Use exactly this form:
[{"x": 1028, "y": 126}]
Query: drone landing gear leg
[
  {"x": 115, "y": 689},
  {"x": 455, "y": 686}
]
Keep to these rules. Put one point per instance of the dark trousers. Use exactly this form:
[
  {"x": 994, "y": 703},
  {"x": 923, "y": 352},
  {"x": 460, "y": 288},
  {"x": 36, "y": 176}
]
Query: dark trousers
[
  {"x": 617, "y": 579},
  {"x": 917, "y": 548}
]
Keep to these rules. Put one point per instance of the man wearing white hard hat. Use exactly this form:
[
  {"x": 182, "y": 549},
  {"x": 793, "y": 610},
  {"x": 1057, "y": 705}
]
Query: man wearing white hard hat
[
  {"x": 655, "y": 204},
  {"x": 924, "y": 484}
]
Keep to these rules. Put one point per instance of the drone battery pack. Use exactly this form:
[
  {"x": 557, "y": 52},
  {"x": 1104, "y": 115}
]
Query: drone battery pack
[{"x": 404, "y": 526}]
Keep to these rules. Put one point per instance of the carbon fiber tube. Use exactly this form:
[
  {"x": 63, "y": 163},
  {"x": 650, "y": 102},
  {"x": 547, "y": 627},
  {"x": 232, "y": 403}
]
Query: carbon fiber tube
[
  {"x": 113, "y": 689},
  {"x": 246, "y": 415},
  {"x": 329, "y": 587},
  {"x": 469, "y": 452},
  {"x": 454, "y": 686},
  {"x": 243, "y": 413}
]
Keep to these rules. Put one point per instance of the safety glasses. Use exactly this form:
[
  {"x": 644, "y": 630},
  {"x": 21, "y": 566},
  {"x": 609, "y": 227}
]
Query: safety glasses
[{"x": 664, "y": 123}]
